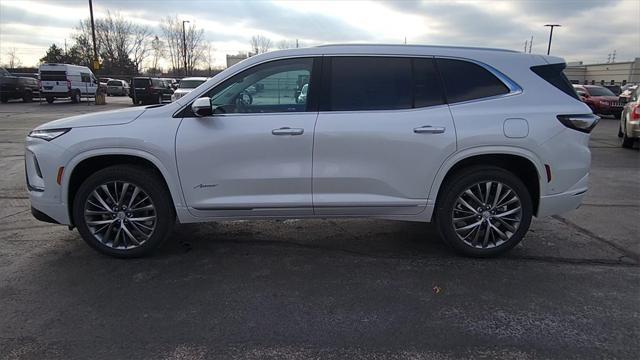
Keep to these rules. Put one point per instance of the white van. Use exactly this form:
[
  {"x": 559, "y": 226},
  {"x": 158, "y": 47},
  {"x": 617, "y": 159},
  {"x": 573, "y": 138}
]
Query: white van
[{"x": 66, "y": 81}]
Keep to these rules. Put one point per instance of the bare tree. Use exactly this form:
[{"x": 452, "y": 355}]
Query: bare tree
[
  {"x": 195, "y": 54},
  {"x": 209, "y": 50},
  {"x": 286, "y": 44},
  {"x": 157, "y": 52},
  {"x": 13, "y": 59},
  {"x": 122, "y": 44},
  {"x": 260, "y": 44}
]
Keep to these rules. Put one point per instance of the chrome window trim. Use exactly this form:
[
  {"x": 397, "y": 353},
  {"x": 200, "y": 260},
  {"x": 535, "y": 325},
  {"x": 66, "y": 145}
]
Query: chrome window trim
[{"x": 514, "y": 88}]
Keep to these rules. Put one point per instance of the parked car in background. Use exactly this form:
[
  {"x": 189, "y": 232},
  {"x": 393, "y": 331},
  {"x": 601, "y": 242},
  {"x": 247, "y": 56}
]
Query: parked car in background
[
  {"x": 17, "y": 87},
  {"x": 173, "y": 82},
  {"x": 615, "y": 89},
  {"x": 600, "y": 99},
  {"x": 148, "y": 90},
  {"x": 477, "y": 140},
  {"x": 627, "y": 91},
  {"x": 186, "y": 85},
  {"x": 302, "y": 97},
  {"x": 117, "y": 87},
  {"x": 630, "y": 120},
  {"x": 66, "y": 81}
]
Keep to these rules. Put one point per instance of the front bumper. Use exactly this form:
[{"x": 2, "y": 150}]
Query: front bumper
[{"x": 560, "y": 203}]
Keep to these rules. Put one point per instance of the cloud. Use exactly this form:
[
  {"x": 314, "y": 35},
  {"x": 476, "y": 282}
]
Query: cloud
[{"x": 32, "y": 26}]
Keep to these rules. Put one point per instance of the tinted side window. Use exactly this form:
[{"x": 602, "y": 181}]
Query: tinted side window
[
  {"x": 370, "y": 83},
  {"x": 84, "y": 77},
  {"x": 427, "y": 84},
  {"x": 464, "y": 80}
]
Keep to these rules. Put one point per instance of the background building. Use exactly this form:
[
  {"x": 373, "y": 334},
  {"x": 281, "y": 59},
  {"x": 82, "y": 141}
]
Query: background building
[{"x": 618, "y": 73}]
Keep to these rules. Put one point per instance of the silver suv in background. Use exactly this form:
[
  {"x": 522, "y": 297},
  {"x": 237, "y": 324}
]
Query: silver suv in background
[
  {"x": 477, "y": 140},
  {"x": 186, "y": 85},
  {"x": 630, "y": 120}
]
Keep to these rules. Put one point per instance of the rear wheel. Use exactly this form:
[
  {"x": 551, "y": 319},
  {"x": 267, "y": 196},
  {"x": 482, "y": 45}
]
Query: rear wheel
[
  {"x": 4, "y": 100},
  {"x": 27, "y": 96},
  {"x": 75, "y": 97},
  {"x": 626, "y": 142},
  {"x": 123, "y": 211},
  {"x": 483, "y": 211}
]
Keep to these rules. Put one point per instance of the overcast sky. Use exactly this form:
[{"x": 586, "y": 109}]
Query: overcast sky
[{"x": 590, "y": 29}]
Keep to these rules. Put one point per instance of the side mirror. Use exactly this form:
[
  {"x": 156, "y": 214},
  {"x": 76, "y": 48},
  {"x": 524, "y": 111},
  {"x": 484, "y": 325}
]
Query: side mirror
[{"x": 202, "y": 107}]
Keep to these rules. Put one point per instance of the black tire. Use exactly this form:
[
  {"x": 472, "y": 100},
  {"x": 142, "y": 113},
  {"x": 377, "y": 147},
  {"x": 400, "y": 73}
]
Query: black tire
[
  {"x": 149, "y": 183},
  {"x": 620, "y": 131},
  {"x": 75, "y": 97},
  {"x": 50, "y": 99},
  {"x": 27, "y": 96},
  {"x": 159, "y": 99},
  {"x": 626, "y": 142},
  {"x": 4, "y": 100},
  {"x": 466, "y": 178}
]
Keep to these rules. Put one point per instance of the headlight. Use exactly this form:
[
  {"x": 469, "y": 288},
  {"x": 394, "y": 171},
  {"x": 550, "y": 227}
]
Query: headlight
[{"x": 49, "y": 134}]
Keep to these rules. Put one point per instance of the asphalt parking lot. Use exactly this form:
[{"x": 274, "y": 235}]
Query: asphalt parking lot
[{"x": 357, "y": 289}]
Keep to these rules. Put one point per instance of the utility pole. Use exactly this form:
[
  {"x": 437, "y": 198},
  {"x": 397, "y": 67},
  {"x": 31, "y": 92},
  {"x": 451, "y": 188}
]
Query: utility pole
[
  {"x": 530, "y": 44},
  {"x": 613, "y": 57},
  {"x": 184, "y": 47},
  {"x": 297, "y": 44},
  {"x": 96, "y": 64},
  {"x": 525, "y": 45},
  {"x": 551, "y": 35}
]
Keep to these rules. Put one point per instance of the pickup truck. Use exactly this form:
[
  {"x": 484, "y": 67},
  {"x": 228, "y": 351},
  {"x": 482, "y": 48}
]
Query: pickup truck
[{"x": 17, "y": 87}]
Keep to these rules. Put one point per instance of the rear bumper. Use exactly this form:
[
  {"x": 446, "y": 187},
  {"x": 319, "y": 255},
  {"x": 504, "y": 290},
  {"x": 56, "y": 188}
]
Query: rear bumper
[
  {"x": 56, "y": 94},
  {"x": 564, "y": 202}
]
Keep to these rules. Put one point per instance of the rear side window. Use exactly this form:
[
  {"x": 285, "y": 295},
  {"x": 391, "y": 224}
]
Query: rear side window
[
  {"x": 464, "y": 81},
  {"x": 427, "y": 84},
  {"x": 114, "y": 83},
  {"x": 554, "y": 75},
  {"x": 53, "y": 75},
  {"x": 370, "y": 83}
]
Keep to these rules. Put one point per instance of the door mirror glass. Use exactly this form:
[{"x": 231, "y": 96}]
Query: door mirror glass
[{"x": 202, "y": 107}]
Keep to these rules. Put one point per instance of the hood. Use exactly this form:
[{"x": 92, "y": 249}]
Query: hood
[
  {"x": 182, "y": 91},
  {"x": 113, "y": 117},
  {"x": 608, "y": 98}
]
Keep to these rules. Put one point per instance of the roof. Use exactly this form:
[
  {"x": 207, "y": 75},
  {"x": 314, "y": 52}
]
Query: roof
[{"x": 418, "y": 46}]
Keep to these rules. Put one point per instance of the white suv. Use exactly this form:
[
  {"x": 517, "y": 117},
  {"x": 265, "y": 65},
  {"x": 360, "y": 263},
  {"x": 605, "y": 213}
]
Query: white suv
[{"x": 477, "y": 140}]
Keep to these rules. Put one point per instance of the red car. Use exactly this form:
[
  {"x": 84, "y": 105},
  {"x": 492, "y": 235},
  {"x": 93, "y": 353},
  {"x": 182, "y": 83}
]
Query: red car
[{"x": 600, "y": 99}]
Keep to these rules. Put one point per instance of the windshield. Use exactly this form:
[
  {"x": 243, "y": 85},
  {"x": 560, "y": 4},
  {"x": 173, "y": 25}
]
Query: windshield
[
  {"x": 190, "y": 84},
  {"x": 600, "y": 91},
  {"x": 114, "y": 83}
]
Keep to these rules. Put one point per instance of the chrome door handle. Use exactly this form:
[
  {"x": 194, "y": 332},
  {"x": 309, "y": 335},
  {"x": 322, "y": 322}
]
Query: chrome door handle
[
  {"x": 428, "y": 129},
  {"x": 287, "y": 131}
]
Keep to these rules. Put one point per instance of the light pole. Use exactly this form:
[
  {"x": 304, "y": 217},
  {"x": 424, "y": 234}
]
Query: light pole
[
  {"x": 551, "y": 35},
  {"x": 184, "y": 47}
]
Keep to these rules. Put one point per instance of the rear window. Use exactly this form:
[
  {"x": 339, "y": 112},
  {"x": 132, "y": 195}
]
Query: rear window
[
  {"x": 190, "y": 84},
  {"x": 140, "y": 82},
  {"x": 114, "y": 83},
  {"x": 53, "y": 75},
  {"x": 554, "y": 75},
  {"x": 464, "y": 81}
]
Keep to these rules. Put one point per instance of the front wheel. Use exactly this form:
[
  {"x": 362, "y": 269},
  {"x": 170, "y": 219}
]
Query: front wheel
[
  {"x": 626, "y": 142},
  {"x": 160, "y": 99},
  {"x": 483, "y": 211},
  {"x": 123, "y": 211},
  {"x": 27, "y": 97}
]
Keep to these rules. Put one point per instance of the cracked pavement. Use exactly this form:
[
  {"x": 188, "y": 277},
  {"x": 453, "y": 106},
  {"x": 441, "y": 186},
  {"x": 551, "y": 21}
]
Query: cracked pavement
[{"x": 357, "y": 289}]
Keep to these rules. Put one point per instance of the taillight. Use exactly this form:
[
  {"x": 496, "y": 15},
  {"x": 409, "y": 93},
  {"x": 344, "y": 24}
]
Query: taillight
[
  {"x": 580, "y": 122},
  {"x": 69, "y": 84},
  {"x": 635, "y": 112}
]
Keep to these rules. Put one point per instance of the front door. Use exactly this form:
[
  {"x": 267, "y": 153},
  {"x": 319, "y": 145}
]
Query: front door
[
  {"x": 253, "y": 156},
  {"x": 380, "y": 137}
]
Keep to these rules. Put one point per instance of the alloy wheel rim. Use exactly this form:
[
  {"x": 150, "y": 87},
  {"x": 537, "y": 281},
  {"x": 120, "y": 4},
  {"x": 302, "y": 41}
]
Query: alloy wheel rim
[
  {"x": 120, "y": 215},
  {"x": 486, "y": 214}
]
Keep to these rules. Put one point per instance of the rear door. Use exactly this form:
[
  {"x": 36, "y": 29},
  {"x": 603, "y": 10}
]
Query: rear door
[
  {"x": 382, "y": 133},
  {"x": 54, "y": 80}
]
